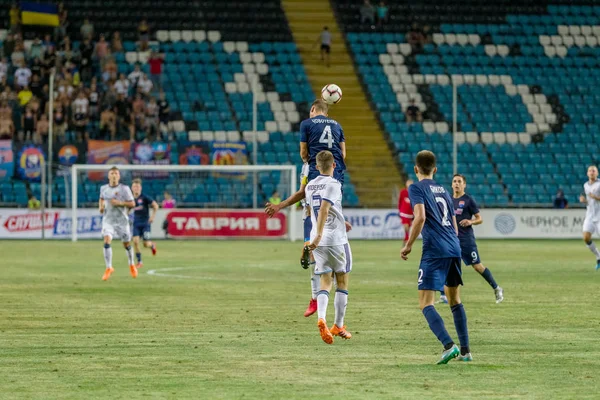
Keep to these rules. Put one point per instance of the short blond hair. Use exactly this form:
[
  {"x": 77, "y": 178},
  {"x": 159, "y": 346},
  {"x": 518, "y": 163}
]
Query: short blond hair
[
  {"x": 320, "y": 105},
  {"x": 324, "y": 160},
  {"x": 136, "y": 180}
]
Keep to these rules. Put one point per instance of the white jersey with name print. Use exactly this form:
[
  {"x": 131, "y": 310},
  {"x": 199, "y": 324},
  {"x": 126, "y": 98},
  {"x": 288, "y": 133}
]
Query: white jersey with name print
[
  {"x": 593, "y": 206},
  {"x": 304, "y": 181},
  {"x": 326, "y": 188},
  {"x": 115, "y": 216}
]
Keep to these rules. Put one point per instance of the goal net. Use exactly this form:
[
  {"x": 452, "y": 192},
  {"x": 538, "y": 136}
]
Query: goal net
[{"x": 196, "y": 201}]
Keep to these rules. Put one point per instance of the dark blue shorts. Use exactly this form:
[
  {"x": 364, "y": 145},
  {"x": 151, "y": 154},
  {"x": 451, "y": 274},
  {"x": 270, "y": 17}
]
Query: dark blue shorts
[
  {"x": 141, "y": 230},
  {"x": 434, "y": 273},
  {"x": 469, "y": 253},
  {"x": 307, "y": 229}
]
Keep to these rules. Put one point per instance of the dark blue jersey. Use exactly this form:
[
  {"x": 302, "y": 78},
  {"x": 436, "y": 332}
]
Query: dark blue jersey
[
  {"x": 439, "y": 236},
  {"x": 464, "y": 208},
  {"x": 322, "y": 133},
  {"x": 141, "y": 212}
]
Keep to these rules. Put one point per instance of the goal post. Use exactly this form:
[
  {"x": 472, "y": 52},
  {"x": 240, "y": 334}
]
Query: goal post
[{"x": 223, "y": 196}]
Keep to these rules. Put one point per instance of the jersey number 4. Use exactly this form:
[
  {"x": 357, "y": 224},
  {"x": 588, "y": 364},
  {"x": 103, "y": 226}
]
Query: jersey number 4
[{"x": 327, "y": 137}]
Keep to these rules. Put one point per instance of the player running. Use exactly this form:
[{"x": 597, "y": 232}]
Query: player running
[
  {"x": 467, "y": 215},
  {"x": 440, "y": 261},
  {"x": 405, "y": 210},
  {"x": 306, "y": 260},
  {"x": 329, "y": 244},
  {"x": 115, "y": 199},
  {"x": 591, "y": 223},
  {"x": 142, "y": 218}
]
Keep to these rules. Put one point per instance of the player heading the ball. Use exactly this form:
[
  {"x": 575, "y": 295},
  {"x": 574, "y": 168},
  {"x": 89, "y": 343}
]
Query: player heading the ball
[{"x": 440, "y": 261}]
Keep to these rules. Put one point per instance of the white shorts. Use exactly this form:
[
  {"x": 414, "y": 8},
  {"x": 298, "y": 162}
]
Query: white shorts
[
  {"x": 333, "y": 258},
  {"x": 591, "y": 226},
  {"x": 122, "y": 232}
]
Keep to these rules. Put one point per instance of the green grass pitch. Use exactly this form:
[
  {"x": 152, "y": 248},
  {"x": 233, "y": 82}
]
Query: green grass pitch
[{"x": 223, "y": 320}]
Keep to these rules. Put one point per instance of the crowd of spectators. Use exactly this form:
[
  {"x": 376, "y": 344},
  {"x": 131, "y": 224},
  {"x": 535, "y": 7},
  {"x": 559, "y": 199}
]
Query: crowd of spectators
[{"x": 91, "y": 99}]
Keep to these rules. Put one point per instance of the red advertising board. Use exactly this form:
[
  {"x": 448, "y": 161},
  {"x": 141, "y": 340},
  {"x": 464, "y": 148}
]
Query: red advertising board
[{"x": 225, "y": 223}]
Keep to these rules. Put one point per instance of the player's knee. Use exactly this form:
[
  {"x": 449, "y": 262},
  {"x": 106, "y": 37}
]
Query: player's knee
[
  {"x": 126, "y": 245},
  {"x": 479, "y": 268}
]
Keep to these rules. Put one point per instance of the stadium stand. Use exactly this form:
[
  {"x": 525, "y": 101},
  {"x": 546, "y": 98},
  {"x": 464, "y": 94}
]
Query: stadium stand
[
  {"x": 212, "y": 52},
  {"x": 527, "y": 75}
]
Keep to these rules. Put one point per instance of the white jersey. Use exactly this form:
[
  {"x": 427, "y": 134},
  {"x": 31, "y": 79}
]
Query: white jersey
[
  {"x": 593, "y": 206},
  {"x": 304, "y": 181},
  {"x": 326, "y": 188},
  {"x": 115, "y": 216}
]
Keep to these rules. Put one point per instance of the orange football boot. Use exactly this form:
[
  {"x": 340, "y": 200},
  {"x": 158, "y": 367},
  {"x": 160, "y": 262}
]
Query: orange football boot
[
  {"x": 341, "y": 332},
  {"x": 324, "y": 330},
  {"x": 133, "y": 270},
  {"x": 107, "y": 273}
]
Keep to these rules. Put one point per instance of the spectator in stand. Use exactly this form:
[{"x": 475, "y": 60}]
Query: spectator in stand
[
  {"x": 36, "y": 86},
  {"x": 367, "y": 13},
  {"x": 28, "y": 124},
  {"x": 560, "y": 200},
  {"x": 109, "y": 74},
  {"x": 86, "y": 48},
  {"x": 3, "y": 83},
  {"x": 108, "y": 124},
  {"x": 60, "y": 122},
  {"x": 168, "y": 200},
  {"x": 382, "y": 13},
  {"x": 94, "y": 101},
  {"x": 81, "y": 109},
  {"x": 67, "y": 53},
  {"x": 325, "y": 39},
  {"x": 87, "y": 30},
  {"x": 61, "y": 30},
  {"x": 18, "y": 55},
  {"x": 9, "y": 45},
  {"x": 41, "y": 130},
  {"x": 415, "y": 37},
  {"x": 37, "y": 49},
  {"x": 275, "y": 198},
  {"x": 144, "y": 34},
  {"x": 152, "y": 121},
  {"x": 37, "y": 69},
  {"x": 3, "y": 67},
  {"x": 7, "y": 127},
  {"x": 15, "y": 17},
  {"x": 33, "y": 203},
  {"x": 413, "y": 114},
  {"x": 101, "y": 51},
  {"x": 22, "y": 76},
  {"x": 156, "y": 61},
  {"x": 48, "y": 42},
  {"x": 144, "y": 85},
  {"x": 125, "y": 122},
  {"x": 164, "y": 113},
  {"x": 116, "y": 45},
  {"x": 49, "y": 60},
  {"x": 25, "y": 96},
  {"x": 134, "y": 75},
  {"x": 122, "y": 85}
]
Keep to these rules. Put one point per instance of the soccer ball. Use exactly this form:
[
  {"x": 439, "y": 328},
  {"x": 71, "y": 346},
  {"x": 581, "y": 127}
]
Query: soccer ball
[{"x": 332, "y": 94}]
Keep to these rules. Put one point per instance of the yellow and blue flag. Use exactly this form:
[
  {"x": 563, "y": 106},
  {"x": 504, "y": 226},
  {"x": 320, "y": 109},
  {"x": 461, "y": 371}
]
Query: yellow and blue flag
[{"x": 39, "y": 14}]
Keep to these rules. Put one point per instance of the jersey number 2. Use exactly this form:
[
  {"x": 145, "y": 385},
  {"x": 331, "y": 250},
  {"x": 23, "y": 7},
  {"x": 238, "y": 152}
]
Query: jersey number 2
[
  {"x": 327, "y": 137},
  {"x": 442, "y": 202}
]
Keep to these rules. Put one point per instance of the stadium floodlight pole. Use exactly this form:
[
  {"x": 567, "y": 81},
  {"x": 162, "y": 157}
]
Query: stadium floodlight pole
[
  {"x": 50, "y": 137},
  {"x": 76, "y": 168},
  {"x": 454, "y": 133},
  {"x": 254, "y": 143}
]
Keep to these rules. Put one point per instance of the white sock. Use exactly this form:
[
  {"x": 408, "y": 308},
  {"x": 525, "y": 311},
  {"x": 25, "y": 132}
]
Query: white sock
[
  {"x": 340, "y": 302},
  {"x": 594, "y": 250},
  {"x": 322, "y": 301},
  {"x": 129, "y": 252},
  {"x": 108, "y": 256},
  {"x": 315, "y": 283}
]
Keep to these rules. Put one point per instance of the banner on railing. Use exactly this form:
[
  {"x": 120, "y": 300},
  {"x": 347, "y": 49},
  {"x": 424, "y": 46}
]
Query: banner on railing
[
  {"x": 229, "y": 153},
  {"x": 31, "y": 158},
  {"x": 7, "y": 163},
  {"x": 108, "y": 153},
  {"x": 152, "y": 154}
]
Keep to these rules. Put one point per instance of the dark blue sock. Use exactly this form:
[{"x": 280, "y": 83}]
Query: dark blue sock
[
  {"x": 487, "y": 275},
  {"x": 460, "y": 322},
  {"x": 436, "y": 324},
  {"x": 138, "y": 256},
  {"x": 106, "y": 246}
]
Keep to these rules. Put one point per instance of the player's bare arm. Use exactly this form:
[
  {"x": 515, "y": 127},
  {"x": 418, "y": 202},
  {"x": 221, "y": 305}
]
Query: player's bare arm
[
  {"x": 582, "y": 198},
  {"x": 477, "y": 220},
  {"x": 348, "y": 226},
  {"x": 454, "y": 224},
  {"x": 101, "y": 206},
  {"x": 417, "y": 227},
  {"x": 154, "y": 206},
  {"x": 323, "y": 213},
  {"x": 304, "y": 151},
  {"x": 343, "y": 147},
  {"x": 272, "y": 209}
]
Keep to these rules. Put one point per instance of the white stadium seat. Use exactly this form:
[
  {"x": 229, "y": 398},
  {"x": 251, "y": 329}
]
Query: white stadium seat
[
  {"x": 194, "y": 136},
  {"x": 438, "y": 38},
  {"x": 580, "y": 41},
  {"x": 461, "y": 137},
  {"x": 229, "y": 47},
  {"x": 530, "y": 127},
  {"x": 586, "y": 30},
  {"x": 524, "y": 138},
  {"x": 401, "y": 69},
  {"x": 550, "y": 118},
  {"x": 249, "y": 68},
  {"x": 462, "y": 39},
  {"x": 289, "y": 106},
  {"x": 262, "y": 136},
  {"x": 556, "y": 40},
  {"x": 511, "y": 90},
  {"x": 233, "y": 136},
  {"x": 545, "y": 40},
  {"x": 568, "y": 41},
  {"x": 262, "y": 69},
  {"x": 261, "y": 97},
  {"x": 143, "y": 56},
  {"x": 563, "y": 30},
  {"x": 527, "y": 99},
  {"x": 162, "y": 36},
  {"x": 481, "y": 79},
  {"x": 393, "y": 79},
  {"x": 441, "y": 127},
  {"x": 214, "y": 36},
  {"x": 293, "y": 117},
  {"x": 487, "y": 137},
  {"x": 243, "y": 87},
  {"x": 276, "y": 105},
  {"x": 591, "y": 41},
  {"x": 239, "y": 77},
  {"x": 389, "y": 69},
  {"x": 272, "y": 96},
  {"x": 280, "y": 116},
  {"x": 187, "y": 36},
  {"x": 231, "y": 87},
  {"x": 574, "y": 30},
  {"x": 472, "y": 137},
  {"x": 241, "y": 47},
  {"x": 544, "y": 127},
  {"x": 131, "y": 57},
  {"x": 523, "y": 89},
  {"x": 199, "y": 36},
  {"x": 257, "y": 58},
  {"x": 397, "y": 59},
  {"x": 418, "y": 79},
  {"x": 474, "y": 39},
  {"x": 512, "y": 138},
  {"x": 245, "y": 58},
  {"x": 392, "y": 48},
  {"x": 533, "y": 108},
  {"x": 385, "y": 59},
  {"x": 545, "y": 108},
  {"x": 550, "y": 51},
  {"x": 405, "y": 48},
  {"x": 506, "y": 79},
  {"x": 503, "y": 50},
  {"x": 494, "y": 80},
  {"x": 561, "y": 51},
  {"x": 220, "y": 136},
  {"x": 539, "y": 118},
  {"x": 248, "y": 136},
  {"x": 469, "y": 79},
  {"x": 174, "y": 36},
  {"x": 450, "y": 38},
  {"x": 457, "y": 79},
  {"x": 540, "y": 98},
  {"x": 428, "y": 127},
  {"x": 284, "y": 126},
  {"x": 271, "y": 126},
  {"x": 490, "y": 50},
  {"x": 208, "y": 136},
  {"x": 444, "y": 80}
]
